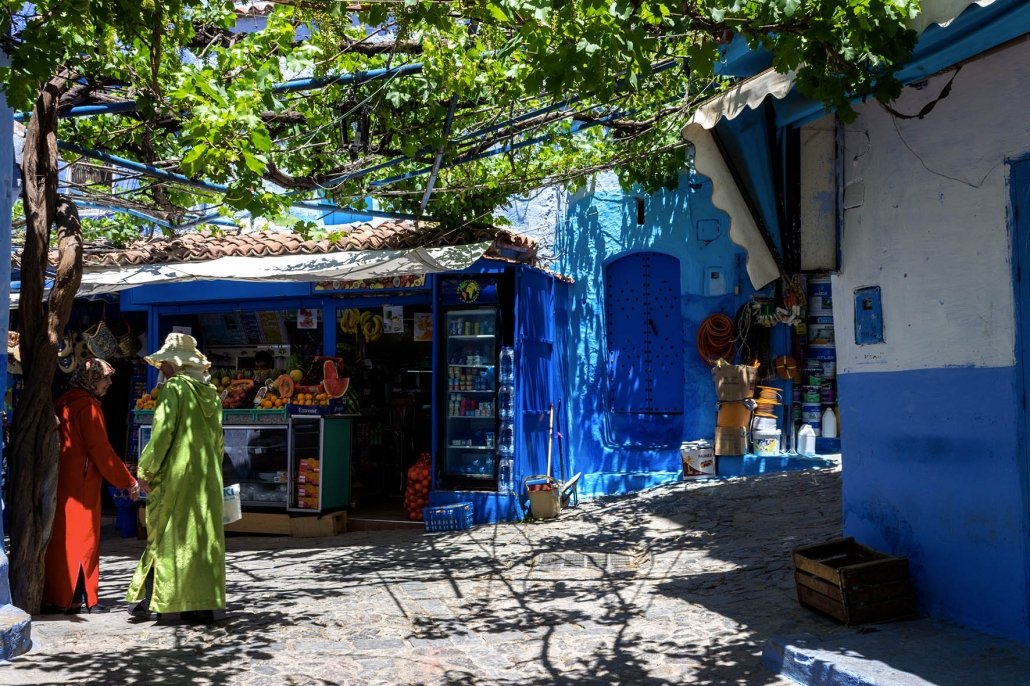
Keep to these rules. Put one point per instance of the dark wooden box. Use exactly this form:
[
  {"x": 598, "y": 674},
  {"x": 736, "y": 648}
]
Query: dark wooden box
[{"x": 853, "y": 583}]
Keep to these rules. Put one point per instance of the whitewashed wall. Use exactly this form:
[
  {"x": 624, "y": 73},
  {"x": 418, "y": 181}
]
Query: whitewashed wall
[{"x": 925, "y": 219}]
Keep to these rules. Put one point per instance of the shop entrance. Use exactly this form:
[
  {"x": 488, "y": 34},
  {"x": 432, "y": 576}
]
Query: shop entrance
[{"x": 392, "y": 372}]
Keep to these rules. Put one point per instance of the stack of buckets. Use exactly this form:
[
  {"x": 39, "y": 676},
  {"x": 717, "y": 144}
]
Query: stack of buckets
[{"x": 818, "y": 388}]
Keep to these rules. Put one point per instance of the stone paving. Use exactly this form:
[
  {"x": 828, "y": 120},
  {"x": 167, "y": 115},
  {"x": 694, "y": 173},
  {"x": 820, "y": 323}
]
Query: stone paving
[{"x": 682, "y": 583}]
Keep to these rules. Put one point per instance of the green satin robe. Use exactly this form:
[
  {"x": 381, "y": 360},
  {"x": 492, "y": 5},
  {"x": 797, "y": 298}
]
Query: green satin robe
[{"x": 185, "y": 538}]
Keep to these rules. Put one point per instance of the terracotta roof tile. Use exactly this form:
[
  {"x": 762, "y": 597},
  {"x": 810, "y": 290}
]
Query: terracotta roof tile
[{"x": 195, "y": 247}]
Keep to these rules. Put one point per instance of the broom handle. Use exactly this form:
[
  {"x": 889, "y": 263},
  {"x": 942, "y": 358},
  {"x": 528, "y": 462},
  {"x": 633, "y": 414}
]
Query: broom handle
[{"x": 550, "y": 437}]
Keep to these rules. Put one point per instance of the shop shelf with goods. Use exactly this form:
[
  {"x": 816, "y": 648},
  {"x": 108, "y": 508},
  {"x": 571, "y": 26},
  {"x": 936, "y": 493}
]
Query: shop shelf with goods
[
  {"x": 471, "y": 399},
  {"x": 319, "y": 463}
]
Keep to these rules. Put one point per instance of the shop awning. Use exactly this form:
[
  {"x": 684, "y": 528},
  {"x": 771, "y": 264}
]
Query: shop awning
[
  {"x": 347, "y": 265},
  {"x": 360, "y": 264},
  {"x": 937, "y": 49}
]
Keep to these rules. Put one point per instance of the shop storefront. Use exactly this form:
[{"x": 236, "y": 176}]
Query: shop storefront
[{"x": 334, "y": 387}]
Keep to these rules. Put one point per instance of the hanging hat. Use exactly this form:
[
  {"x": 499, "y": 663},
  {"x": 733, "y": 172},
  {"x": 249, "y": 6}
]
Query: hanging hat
[
  {"x": 181, "y": 350},
  {"x": 13, "y": 352},
  {"x": 67, "y": 344},
  {"x": 68, "y": 356}
]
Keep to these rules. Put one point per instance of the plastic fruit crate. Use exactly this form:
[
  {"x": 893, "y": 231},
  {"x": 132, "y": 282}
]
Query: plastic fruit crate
[{"x": 454, "y": 517}]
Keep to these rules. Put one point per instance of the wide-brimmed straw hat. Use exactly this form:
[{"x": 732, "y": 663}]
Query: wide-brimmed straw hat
[{"x": 181, "y": 350}]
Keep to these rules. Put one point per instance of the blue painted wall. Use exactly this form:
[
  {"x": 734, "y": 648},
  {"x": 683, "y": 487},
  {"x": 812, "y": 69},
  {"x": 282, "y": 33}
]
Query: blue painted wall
[
  {"x": 935, "y": 473},
  {"x": 619, "y": 452}
]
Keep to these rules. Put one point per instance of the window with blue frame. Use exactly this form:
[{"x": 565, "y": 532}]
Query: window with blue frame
[{"x": 644, "y": 327}]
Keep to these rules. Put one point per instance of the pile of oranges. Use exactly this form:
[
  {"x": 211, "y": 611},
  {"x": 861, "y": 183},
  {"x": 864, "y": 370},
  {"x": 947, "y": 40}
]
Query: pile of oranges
[
  {"x": 148, "y": 400},
  {"x": 272, "y": 401}
]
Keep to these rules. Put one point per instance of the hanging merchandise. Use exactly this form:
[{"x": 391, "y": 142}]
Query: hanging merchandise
[
  {"x": 794, "y": 300},
  {"x": 416, "y": 492},
  {"x": 715, "y": 339},
  {"x": 786, "y": 368}
]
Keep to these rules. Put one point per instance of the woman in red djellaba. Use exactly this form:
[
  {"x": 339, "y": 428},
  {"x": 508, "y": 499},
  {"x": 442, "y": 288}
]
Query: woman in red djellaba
[{"x": 86, "y": 459}]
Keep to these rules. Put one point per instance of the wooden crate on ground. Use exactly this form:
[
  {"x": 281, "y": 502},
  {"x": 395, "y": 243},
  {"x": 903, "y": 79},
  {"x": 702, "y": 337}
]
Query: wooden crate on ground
[
  {"x": 261, "y": 523},
  {"x": 309, "y": 526},
  {"x": 853, "y": 583}
]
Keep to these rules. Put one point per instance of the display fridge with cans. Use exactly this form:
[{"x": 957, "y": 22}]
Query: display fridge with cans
[{"x": 471, "y": 399}]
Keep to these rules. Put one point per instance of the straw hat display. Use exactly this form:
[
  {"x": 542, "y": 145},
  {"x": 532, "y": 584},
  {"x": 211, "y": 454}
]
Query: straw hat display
[
  {"x": 13, "y": 352},
  {"x": 181, "y": 350}
]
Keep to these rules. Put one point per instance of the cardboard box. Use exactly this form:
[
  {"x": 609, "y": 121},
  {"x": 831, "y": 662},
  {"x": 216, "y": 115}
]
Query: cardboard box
[
  {"x": 304, "y": 477},
  {"x": 309, "y": 464},
  {"x": 308, "y": 502},
  {"x": 730, "y": 440},
  {"x": 733, "y": 415},
  {"x": 734, "y": 381},
  {"x": 307, "y": 490},
  {"x": 329, "y": 524},
  {"x": 698, "y": 459}
]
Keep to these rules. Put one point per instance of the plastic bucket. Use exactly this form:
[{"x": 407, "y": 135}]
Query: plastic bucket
[
  {"x": 766, "y": 442},
  {"x": 820, "y": 331},
  {"x": 820, "y": 299},
  {"x": 827, "y": 393},
  {"x": 810, "y": 395},
  {"x": 829, "y": 369},
  {"x": 812, "y": 413},
  {"x": 125, "y": 517},
  {"x": 821, "y": 351}
]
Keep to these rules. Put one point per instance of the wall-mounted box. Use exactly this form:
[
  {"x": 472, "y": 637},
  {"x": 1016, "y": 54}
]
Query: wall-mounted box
[{"x": 868, "y": 316}]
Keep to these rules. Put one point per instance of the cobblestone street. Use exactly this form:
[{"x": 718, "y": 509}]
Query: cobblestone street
[{"x": 682, "y": 583}]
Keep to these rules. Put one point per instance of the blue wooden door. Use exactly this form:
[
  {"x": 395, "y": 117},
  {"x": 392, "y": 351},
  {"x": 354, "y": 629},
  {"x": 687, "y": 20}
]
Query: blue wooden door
[
  {"x": 534, "y": 354},
  {"x": 644, "y": 327}
]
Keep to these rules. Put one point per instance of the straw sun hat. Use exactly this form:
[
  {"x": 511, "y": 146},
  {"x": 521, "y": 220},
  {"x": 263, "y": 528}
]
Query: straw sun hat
[{"x": 181, "y": 350}]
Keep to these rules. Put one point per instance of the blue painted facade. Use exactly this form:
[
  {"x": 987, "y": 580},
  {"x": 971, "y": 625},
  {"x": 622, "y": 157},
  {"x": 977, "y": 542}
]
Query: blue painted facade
[
  {"x": 628, "y": 417},
  {"x": 15, "y": 625}
]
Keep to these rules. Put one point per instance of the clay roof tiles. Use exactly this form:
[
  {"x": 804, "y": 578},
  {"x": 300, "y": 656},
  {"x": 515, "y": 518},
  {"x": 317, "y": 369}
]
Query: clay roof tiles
[{"x": 195, "y": 247}]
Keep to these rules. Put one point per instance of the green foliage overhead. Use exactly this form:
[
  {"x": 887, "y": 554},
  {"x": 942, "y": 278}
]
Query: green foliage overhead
[{"x": 500, "y": 87}]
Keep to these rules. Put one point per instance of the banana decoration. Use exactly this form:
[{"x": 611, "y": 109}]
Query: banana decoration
[
  {"x": 372, "y": 327},
  {"x": 368, "y": 325},
  {"x": 349, "y": 320}
]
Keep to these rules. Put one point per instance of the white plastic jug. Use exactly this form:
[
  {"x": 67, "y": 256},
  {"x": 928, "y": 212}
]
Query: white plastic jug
[
  {"x": 829, "y": 423},
  {"x": 806, "y": 440}
]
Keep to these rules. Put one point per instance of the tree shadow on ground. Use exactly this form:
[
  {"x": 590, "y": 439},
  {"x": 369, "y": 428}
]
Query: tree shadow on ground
[{"x": 703, "y": 580}]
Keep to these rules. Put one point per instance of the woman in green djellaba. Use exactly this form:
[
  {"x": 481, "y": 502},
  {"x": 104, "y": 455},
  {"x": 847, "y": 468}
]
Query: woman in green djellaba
[{"x": 181, "y": 471}]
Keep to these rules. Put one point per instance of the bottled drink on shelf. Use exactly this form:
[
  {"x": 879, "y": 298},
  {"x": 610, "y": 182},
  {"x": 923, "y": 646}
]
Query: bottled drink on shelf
[
  {"x": 506, "y": 402},
  {"x": 506, "y": 441},
  {"x": 505, "y": 478},
  {"x": 507, "y": 366}
]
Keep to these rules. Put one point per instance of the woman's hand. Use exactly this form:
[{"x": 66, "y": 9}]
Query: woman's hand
[
  {"x": 142, "y": 484},
  {"x": 134, "y": 491}
]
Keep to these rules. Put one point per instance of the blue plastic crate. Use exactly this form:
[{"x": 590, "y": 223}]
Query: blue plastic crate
[{"x": 454, "y": 517}]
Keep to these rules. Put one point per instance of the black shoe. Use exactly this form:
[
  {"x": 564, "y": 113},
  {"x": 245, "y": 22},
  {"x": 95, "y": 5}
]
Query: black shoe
[
  {"x": 197, "y": 616},
  {"x": 141, "y": 610}
]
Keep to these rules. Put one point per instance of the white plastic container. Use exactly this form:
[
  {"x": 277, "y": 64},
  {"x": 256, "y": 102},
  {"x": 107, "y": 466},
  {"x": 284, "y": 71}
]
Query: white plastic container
[
  {"x": 766, "y": 442},
  {"x": 806, "y": 440},
  {"x": 829, "y": 423}
]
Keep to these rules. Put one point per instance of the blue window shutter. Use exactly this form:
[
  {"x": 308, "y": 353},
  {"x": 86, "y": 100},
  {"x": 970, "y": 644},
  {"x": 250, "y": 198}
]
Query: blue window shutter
[{"x": 645, "y": 334}]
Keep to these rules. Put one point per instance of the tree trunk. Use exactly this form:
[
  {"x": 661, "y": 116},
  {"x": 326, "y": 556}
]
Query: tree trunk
[{"x": 33, "y": 457}]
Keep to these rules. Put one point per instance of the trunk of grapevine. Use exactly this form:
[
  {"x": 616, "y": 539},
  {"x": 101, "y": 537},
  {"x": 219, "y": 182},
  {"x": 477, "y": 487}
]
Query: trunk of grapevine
[{"x": 33, "y": 457}]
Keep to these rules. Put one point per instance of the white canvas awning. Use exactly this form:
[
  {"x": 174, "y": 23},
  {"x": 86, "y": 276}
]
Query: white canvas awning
[
  {"x": 337, "y": 266},
  {"x": 750, "y": 94}
]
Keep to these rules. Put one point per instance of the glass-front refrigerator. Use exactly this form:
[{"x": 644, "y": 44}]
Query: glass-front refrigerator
[{"x": 470, "y": 401}]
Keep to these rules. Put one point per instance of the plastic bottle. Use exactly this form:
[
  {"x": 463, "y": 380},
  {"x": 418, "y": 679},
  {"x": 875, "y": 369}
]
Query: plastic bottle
[
  {"x": 505, "y": 402},
  {"x": 506, "y": 441},
  {"x": 504, "y": 475},
  {"x": 806, "y": 440},
  {"x": 829, "y": 423},
  {"x": 506, "y": 374}
]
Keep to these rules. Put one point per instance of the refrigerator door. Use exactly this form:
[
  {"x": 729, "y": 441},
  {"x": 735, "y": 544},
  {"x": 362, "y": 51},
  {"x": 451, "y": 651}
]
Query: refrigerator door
[{"x": 471, "y": 397}]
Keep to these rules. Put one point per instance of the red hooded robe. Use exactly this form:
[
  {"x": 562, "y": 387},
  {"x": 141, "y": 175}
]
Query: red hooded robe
[{"x": 86, "y": 459}]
